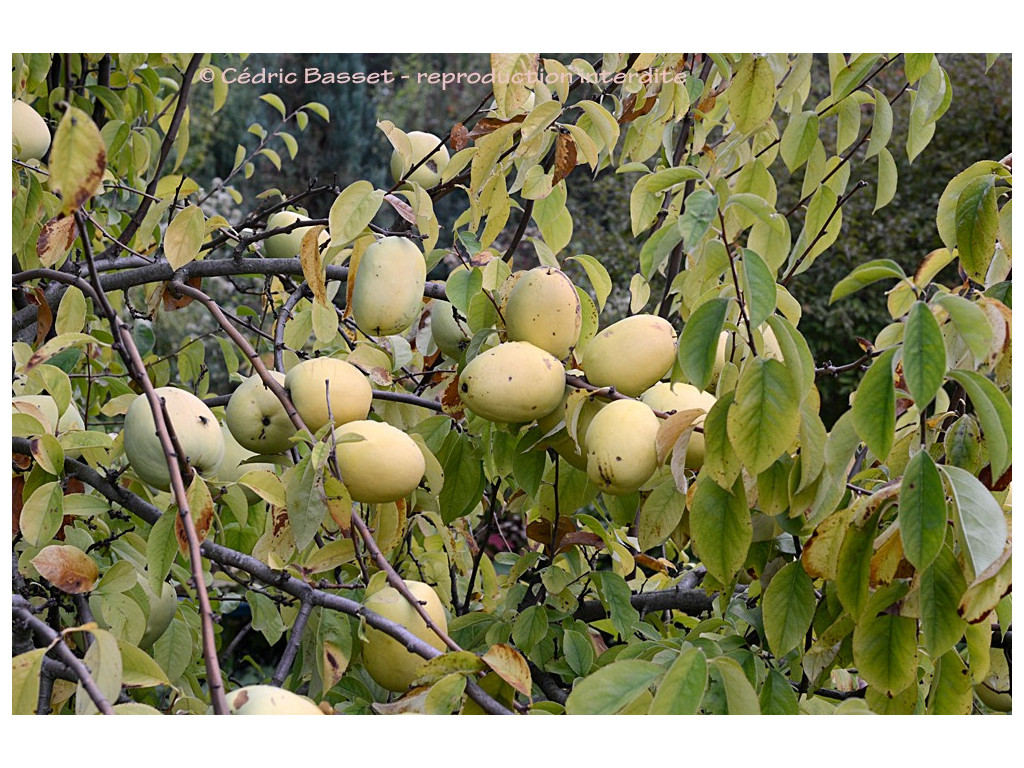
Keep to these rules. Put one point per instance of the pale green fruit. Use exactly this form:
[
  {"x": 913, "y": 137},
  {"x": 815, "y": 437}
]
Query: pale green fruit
[
  {"x": 451, "y": 334},
  {"x": 161, "y": 611},
  {"x": 429, "y": 174},
  {"x": 543, "y": 308},
  {"x": 256, "y": 417},
  {"x": 232, "y": 467},
  {"x": 387, "y": 660},
  {"x": 269, "y": 700},
  {"x": 994, "y": 690},
  {"x": 621, "y": 450},
  {"x": 386, "y": 465},
  {"x": 512, "y": 382},
  {"x": 631, "y": 355},
  {"x": 287, "y": 245},
  {"x": 388, "y": 294},
  {"x": 308, "y": 383},
  {"x": 29, "y": 133},
  {"x": 38, "y": 407},
  {"x": 195, "y": 426},
  {"x": 682, "y": 397},
  {"x": 733, "y": 348}
]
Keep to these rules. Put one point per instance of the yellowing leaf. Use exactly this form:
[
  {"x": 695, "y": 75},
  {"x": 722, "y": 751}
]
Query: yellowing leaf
[
  {"x": 77, "y": 160},
  {"x": 184, "y": 237}
]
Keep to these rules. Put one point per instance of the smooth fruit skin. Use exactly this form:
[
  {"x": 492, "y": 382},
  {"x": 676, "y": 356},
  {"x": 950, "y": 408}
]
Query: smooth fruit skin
[
  {"x": 386, "y": 465},
  {"x": 513, "y": 382},
  {"x": 256, "y": 417},
  {"x": 387, "y": 660},
  {"x": 195, "y": 426},
  {"x": 429, "y": 174},
  {"x": 672, "y": 398},
  {"x": 388, "y": 293},
  {"x": 351, "y": 395},
  {"x": 631, "y": 355},
  {"x": 287, "y": 245},
  {"x": 451, "y": 334},
  {"x": 621, "y": 451},
  {"x": 29, "y": 132},
  {"x": 161, "y": 611},
  {"x": 994, "y": 690},
  {"x": 269, "y": 700},
  {"x": 544, "y": 309}
]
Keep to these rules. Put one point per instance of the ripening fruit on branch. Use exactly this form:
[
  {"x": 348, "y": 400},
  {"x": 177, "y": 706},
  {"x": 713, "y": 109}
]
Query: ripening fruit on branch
[
  {"x": 427, "y": 175},
  {"x": 994, "y": 690},
  {"x": 287, "y": 245},
  {"x": 631, "y": 355},
  {"x": 387, "y": 660},
  {"x": 269, "y": 700},
  {"x": 512, "y": 382},
  {"x": 544, "y": 309},
  {"x": 195, "y": 426},
  {"x": 621, "y": 449},
  {"x": 29, "y": 133},
  {"x": 256, "y": 417},
  {"x": 451, "y": 333},
  {"x": 386, "y": 465},
  {"x": 388, "y": 293},
  {"x": 682, "y": 397},
  {"x": 307, "y": 383}
]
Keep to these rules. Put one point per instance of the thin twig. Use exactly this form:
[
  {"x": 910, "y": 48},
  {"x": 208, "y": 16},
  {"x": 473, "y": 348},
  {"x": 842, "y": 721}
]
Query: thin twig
[{"x": 290, "y": 650}]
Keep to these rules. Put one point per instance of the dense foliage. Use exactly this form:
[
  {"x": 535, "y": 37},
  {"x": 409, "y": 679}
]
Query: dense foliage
[{"x": 594, "y": 546}]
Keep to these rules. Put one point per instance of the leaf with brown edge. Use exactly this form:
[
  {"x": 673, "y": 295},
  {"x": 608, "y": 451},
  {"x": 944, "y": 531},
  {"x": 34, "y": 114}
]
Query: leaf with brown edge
[
  {"x": 451, "y": 403},
  {"x": 358, "y": 249},
  {"x": 565, "y": 156},
  {"x": 510, "y": 666},
  {"x": 200, "y": 504},
  {"x": 630, "y": 112},
  {"x": 401, "y": 207},
  {"x": 17, "y": 501},
  {"x": 660, "y": 564},
  {"x": 172, "y": 302},
  {"x": 55, "y": 239},
  {"x": 44, "y": 315},
  {"x": 579, "y": 539},
  {"x": 540, "y": 531},
  {"x": 458, "y": 139},
  {"x": 68, "y": 568},
  {"x": 313, "y": 264},
  {"x": 486, "y": 125},
  {"x": 672, "y": 428},
  {"x": 77, "y": 160}
]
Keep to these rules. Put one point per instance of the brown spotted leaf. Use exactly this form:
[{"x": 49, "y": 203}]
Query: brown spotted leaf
[
  {"x": 200, "y": 504},
  {"x": 510, "y": 666},
  {"x": 77, "y": 160},
  {"x": 44, "y": 315},
  {"x": 68, "y": 568},
  {"x": 486, "y": 125},
  {"x": 55, "y": 239},
  {"x": 579, "y": 539},
  {"x": 565, "y": 156},
  {"x": 459, "y": 137},
  {"x": 401, "y": 207}
]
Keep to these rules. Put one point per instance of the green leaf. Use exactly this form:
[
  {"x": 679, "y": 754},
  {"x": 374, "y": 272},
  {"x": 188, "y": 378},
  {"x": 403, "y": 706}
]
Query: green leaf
[
  {"x": 971, "y": 323},
  {"x": 740, "y": 696},
  {"x": 579, "y": 652},
  {"x": 777, "y": 696},
  {"x": 941, "y": 586},
  {"x": 981, "y": 525},
  {"x": 463, "y": 480},
  {"x": 853, "y": 569},
  {"x": 42, "y": 513},
  {"x": 461, "y": 286},
  {"x": 946, "y": 218},
  {"x": 864, "y": 275},
  {"x": 682, "y": 689},
  {"x": 765, "y": 419},
  {"x": 184, "y": 237},
  {"x": 161, "y": 549},
  {"x": 699, "y": 211},
  {"x": 103, "y": 659},
  {"x": 721, "y": 527},
  {"x": 751, "y": 94},
  {"x": 659, "y": 515},
  {"x": 962, "y": 444},
  {"x": 307, "y": 500},
  {"x": 78, "y": 159},
  {"x": 874, "y": 409},
  {"x": 612, "y": 688},
  {"x": 924, "y": 355},
  {"x": 915, "y": 65},
  {"x": 759, "y": 288},
  {"x": 798, "y": 139},
  {"x": 788, "y": 608},
  {"x": 885, "y": 651},
  {"x": 658, "y": 246},
  {"x": 598, "y": 276},
  {"x": 852, "y": 75},
  {"x": 530, "y": 627},
  {"x": 881, "y": 125},
  {"x": 977, "y": 225},
  {"x": 445, "y": 695},
  {"x": 48, "y": 453},
  {"x": 353, "y": 210},
  {"x": 139, "y": 668},
  {"x": 615, "y": 595},
  {"x": 720, "y": 460},
  {"x": 25, "y": 670},
  {"x": 922, "y": 511},
  {"x": 951, "y": 692},
  {"x": 275, "y": 101},
  {"x": 993, "y": 412},
  {"x": 888, "y": 177},
  {"x": 266, "y": 618},
  {"x": 699, "y": 341}
]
